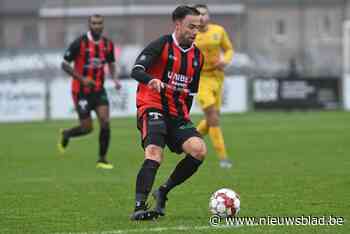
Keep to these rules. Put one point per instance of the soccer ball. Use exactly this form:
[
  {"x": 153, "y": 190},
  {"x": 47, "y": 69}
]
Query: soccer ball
[{"x": 225, "y": 203}]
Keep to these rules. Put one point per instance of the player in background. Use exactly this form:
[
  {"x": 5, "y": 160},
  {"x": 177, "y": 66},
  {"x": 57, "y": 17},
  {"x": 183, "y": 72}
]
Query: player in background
[
  {"x": 90, "y": 52},
  {"x": 168, "y": 72},
  {"x": 217, "y": 49}
]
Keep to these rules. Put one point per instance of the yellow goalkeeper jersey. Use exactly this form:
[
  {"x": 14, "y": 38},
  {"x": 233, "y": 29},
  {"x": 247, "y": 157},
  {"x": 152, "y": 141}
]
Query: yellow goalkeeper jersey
[{"x": 214, "y": 43}]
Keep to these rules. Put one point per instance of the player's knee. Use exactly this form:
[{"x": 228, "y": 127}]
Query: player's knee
[
  {"x": 200, "y": 151},
  {"x": 213, "y": 121},
  {"x": 154, "y": 152},
  {"x": 212, "y": 116},
  {"x": 197, "y": 148},
  {"x": 86, "y": 128}
]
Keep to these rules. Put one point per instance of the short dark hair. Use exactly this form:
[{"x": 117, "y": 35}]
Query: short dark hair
[
  {"x": 182, "y": 11},
  {"x": 95, "y": 16},
  {"x": 201, "y": 6}
]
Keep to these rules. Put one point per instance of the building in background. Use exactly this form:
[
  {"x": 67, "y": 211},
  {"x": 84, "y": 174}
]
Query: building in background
[
  {"x": 274, "y": 34},
  {"x": 309, "y": 32},
  {"x": 20, "y": 24}
]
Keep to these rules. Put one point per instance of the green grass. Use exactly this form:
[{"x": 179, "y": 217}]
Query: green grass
[{"x": 285, "y": 164}]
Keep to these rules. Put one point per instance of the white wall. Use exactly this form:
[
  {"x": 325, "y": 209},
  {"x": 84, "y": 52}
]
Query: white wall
[
  {"x": 122, "y": 102},
  {"x": 22, "y": 101},
  {"x": 346, "y": 92},
  {"x": 25, "y": 100}
]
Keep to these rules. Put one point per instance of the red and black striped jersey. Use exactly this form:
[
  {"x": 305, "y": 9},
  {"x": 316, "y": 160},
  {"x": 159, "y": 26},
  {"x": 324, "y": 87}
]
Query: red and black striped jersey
[
  {"x": 89, "y": 58},
  {"x": 178, "y": 68}
]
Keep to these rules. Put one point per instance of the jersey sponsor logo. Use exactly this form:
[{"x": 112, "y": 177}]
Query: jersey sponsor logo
[
  {"x": 94, "y": 63},
  {"x": 178, "y": 80}
]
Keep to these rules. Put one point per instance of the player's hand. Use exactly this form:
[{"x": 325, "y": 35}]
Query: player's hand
[
  {"x": 117, "y": 84},
  {"x": 156, "y": 85},
  {"x": 220, "y": 63},
  {"x": 88, "y": 82}
]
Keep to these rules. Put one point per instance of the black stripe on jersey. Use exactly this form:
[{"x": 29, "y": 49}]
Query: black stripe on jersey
[
  {"x": 193, "y": 87},
  {"x": 105, "y": 42},
  {"x": 85, "y": 40},
  {"x": 176, "y": 94},
  {"x": 197, "y": 70},
  {"x": 165, "y": 78},
  {"x": 97, "y": 58},
  {"x": 106, "y": 51}
]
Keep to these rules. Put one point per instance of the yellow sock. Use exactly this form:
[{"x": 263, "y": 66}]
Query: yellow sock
[
  {"x": 217, "y": 139},
  {"x": 202, "y": 127}
]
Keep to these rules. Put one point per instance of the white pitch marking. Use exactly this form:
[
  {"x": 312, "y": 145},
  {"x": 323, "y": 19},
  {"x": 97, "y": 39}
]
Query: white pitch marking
[{"x": 148, "y": 230}]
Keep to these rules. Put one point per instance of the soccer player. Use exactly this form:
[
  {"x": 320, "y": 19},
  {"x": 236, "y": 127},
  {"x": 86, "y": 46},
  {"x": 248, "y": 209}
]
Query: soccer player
[
  {"x": 168, "y": 72},
  {"x": 217, "y": 49},
  {"x": 90, "y": 52}
]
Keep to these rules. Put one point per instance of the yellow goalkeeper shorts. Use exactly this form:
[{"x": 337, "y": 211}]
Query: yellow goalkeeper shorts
[{"x": 210, "y": 92}]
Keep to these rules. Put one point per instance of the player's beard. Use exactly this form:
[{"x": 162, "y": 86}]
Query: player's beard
[
  {"x": 96, "y": 35},
  {"x": 185, "y": 41},
  {"x": 189, "y": 40}
]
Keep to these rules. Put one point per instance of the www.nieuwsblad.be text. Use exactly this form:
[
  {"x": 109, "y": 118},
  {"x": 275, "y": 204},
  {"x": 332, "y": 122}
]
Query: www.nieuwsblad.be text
[{"x": 304, "y": 220}]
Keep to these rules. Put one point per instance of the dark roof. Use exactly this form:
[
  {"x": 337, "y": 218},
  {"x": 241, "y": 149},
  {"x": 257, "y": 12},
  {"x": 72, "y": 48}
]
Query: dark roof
[
  {"x": 77, "y": 3},
  {"x": 65, "y": 3},
  {"x": 10, "y": 7},
  {"x": 64, "y": 8},
  {"x": 292, "y": 2}
]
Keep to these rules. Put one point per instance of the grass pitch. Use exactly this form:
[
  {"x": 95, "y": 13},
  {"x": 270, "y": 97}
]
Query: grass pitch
[{"x": 285, "y": 164}]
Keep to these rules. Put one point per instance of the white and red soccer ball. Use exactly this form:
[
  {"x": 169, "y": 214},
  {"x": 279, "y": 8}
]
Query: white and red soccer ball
[{"x": 225, "y": 203}]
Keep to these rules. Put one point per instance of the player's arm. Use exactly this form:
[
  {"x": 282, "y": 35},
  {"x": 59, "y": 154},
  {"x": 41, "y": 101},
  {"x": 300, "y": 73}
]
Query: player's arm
[
  {"x": 110, "y": 58},
  {"x": 114, "y": 75},
  {"x": 70, "y": 54},
  {"x": 70, "y": 71},
  {"x": 145, "y": 60},
  {"x": 227, "y": 48},
  {"x": 193, "y": 88}
]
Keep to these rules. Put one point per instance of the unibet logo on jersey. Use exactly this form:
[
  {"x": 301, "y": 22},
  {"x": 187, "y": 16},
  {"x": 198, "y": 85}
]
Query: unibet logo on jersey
[{"x": 178, "y": 80}]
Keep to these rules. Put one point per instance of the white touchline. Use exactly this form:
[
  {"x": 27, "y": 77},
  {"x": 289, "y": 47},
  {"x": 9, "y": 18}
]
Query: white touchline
[{"x": 147, "y": 230}]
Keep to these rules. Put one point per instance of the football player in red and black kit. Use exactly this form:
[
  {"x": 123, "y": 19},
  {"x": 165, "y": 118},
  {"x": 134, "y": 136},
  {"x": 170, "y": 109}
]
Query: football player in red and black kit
[
  {"x": 90, "y": 52},
  {"x": 168, "y": 72}
]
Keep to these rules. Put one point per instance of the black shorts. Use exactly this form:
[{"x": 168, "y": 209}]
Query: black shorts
[
  {"x": 85, "y": 103},
  {"x": 159, "y": 129}
]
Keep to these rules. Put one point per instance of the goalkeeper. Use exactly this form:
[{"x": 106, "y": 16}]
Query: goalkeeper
[{"x": 217, "y": 49}]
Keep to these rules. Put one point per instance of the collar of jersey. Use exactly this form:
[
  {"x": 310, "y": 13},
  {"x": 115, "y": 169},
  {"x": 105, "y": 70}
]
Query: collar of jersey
[{"x": 178, "y": 45}]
